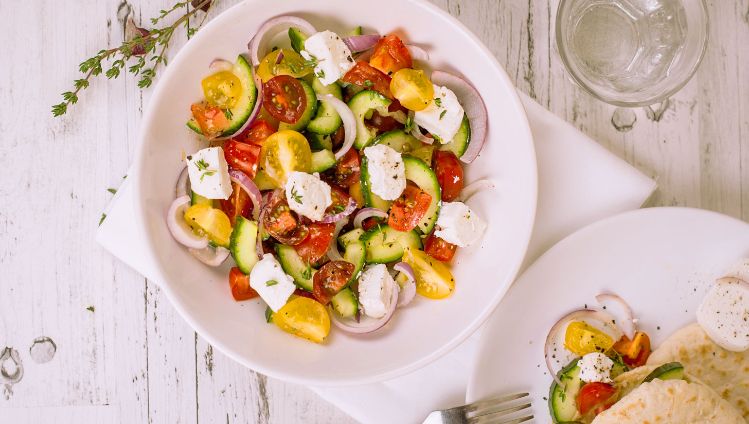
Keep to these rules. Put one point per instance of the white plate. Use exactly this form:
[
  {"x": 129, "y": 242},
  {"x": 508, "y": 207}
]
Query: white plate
[
  {"x": 418, "y": 334},
  {"x": 660, "y": 260}
]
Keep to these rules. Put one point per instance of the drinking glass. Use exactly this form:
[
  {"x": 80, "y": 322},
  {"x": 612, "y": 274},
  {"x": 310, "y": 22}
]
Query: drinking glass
[{"x": 631, "y": 52}]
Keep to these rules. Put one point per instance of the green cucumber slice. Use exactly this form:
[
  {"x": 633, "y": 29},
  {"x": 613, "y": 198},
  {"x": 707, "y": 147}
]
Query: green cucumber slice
[
  {"x": 423, "y": 176},
  {"x": 294, "y": 265},
  {"x": 363, "y": 104},
  {"x": 384, "y": 244},
  {"x": 242, "y": 244}
]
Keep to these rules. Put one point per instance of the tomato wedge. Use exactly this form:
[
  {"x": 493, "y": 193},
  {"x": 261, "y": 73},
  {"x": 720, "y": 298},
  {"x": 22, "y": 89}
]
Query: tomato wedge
[
  {"x": 635, "y": 353},
  {"x": 449, "y": 174},
  {"x": 242, "y": 156},
  {"x": 347, "y": 170},
  {"x": 595, "y": 398},
  {"x": 282, "y": 223},
  {"x": 409, "y": 208},
  {"x": 256, "y": 133},
  {"x": 211, "y": 119},
  {"x": 330, "y": 279},
  {"x": 368, "y": 78},
  {"x": 340, "y": 198},
  {"x": 314, "y": 247},
  {"x": 439, "y": 249},
  {"x": 240, "y": 285},
  {"x": 284, "y": 98},
  {"x": 238, "y": 204},
  {"x": 390, "y": 55}
]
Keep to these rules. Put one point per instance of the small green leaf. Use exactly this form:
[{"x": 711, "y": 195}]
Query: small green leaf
[{"x": 103, "y": 217}]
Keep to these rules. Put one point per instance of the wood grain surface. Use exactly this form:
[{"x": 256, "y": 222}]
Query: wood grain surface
[{"x": 123, "y": 353}]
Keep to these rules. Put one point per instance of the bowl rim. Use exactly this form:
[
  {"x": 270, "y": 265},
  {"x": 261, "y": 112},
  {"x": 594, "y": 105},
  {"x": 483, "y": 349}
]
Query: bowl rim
[{"x": 141, "y": 216}]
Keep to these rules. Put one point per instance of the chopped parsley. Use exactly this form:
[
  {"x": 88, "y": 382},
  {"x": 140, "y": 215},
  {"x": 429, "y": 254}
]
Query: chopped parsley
[
  {"x": 229, "y": 114},
  {"x": 442, "y": 114},
  {"x": 368, "y": 83},
  {"x": 294, "y": 195},
  {"x": 208, "y": 173},
  {"x": 320, "y": 74},
  {"x": 201, "y": 164},
  {"x": 438, "y": 101},
  {"x": 271, "y": 283}
]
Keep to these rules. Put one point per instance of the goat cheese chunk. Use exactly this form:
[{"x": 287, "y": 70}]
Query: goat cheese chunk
[
  {"x": 272, "y": 284},
  {"x": 459, "y": 225},
  {"x": 387, "y": 173},
  {"x": 595, "y": 367},
  {"x": 724, "y": 314},
  {"x": 331, "y": 55},
  {"x": 209, "y": 173},
  {"x": 375, "y": 289},
  {"x": 308, "y": 195},
  {"x": 443, "y": 116}
]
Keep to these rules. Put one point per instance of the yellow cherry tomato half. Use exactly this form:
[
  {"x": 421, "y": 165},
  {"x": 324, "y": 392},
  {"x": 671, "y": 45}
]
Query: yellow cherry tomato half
[
  {"x": 222, "y": 89},
  {"x": 433, "y": 278},
  {"x": 305, "y": 318},
  {"x": 283, "y": 152},
  {"x": 291, "y": 63},
  {"x": 582, "y": 338},
  {"x": 210, "y": 222},
  {"x": 412, "y": 88}
]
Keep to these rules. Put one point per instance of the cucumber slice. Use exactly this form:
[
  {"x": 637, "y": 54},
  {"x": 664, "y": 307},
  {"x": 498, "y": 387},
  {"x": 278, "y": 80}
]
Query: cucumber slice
[
  {"x": 424, "y": 153},
  {"x": 243, "y": 108},
  {"x": 354, "y": 251},
  {"x": 297, "y": 38},
  {"x": 294, "y": 265},
  {"x": 370, "y": 199},
  {"x": 459, "y": 143},
  {"x": 243, "y": 244},
  {"x": 345, "y": 303},
  {"x": 308, "y": 112},
  {"x": 350, "y": 237},
  {"x": 264, "y": 182},
  {"x": 398, "y": 140},
  {"x": 384, "y": 244},
  {"x": 562, "y": 404},
  {"x": 319, "y": 142},
  {"x": 363, "y": 104},
  {"x": 326, "y": 120},
  {"x": 423, "y": 176},
  {"x": 322, "y": 160},
  {"x": 669, "y": 371},
  {"x": 196, "y": 199}
]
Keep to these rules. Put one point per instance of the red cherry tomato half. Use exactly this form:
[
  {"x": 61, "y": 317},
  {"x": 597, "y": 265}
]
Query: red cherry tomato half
[
  {"x": 368, "y": 78},
  {"x": 346, "y": 171},
  {"x": 282, "y": 223},
  {"x": 449, "y": 174},
  {"x": 439, "y": 249},
  {"x": 238, "y": 204},
  {"x": 409, "y": 208},
  {"x": 256, "y": 133},
  {"x": 242, "y": 156},
  {"x": 330, "y": 279},
  {"x": 314, "y": 247},
  {"x": 595, "y": 398},
  {"x": 284, "y": 98},
  {"x": 390, "y": 55},
  {"x": 240, "y": 285}
]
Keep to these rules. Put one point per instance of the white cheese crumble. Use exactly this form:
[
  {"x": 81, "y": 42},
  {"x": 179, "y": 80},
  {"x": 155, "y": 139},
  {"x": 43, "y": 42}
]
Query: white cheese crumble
[
  {"x": 458, "y": 224},
  {"x": 724, "y": 314},
  {"x": 443, "y": 116},
  {"x": 308, "y": 195},
  {"x": 375, "y": 290},
  {"x": 595, "y": 367},
  {"x": 272, "y": 284},
  {"x": 332, "y": 56},
  {"x": 387, "y": 173},
  {"x": 209, "y": 173}
]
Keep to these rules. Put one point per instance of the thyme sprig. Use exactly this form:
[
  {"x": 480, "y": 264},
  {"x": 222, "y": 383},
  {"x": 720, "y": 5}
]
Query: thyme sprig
[{"x": 143, "y": 52}]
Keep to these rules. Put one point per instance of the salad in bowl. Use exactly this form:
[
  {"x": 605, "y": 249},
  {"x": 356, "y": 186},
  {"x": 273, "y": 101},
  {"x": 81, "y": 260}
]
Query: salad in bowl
[{"x": 331, "y": 174}]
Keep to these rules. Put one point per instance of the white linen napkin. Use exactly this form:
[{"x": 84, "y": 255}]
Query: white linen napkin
[{"x": 579, "y": 183}]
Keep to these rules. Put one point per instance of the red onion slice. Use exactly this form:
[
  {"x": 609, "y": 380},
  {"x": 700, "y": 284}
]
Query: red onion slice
[
  {"x": 182, "y": 188},
  {"x": 554, "y": 352},
  {"x": 475, "y": 109},
  {"x": 349, "y": 122},
  {"x": 408, "y": 289},
  {"x": 626, "y": 321},
  {"x": 360, "y": 43},
  {"x": 416, "y": 132},
  {"x": 350, "y": 208},
  {"x": 475, "y": 187},
  {"x": 210, "y": 256},
  {"x": 333, "y": 253},
  {"x": 250, "y": 188},
  {"x": 366, "y": 324},
  {"x": 418, "y": 53},
  {"x": 279, "y": 58},
  {"x": 368, "y": 213},
  {"x": 182, "y": 233},
  {"x": 218, "y": 65},
  {"x": 270, "y": 28}
]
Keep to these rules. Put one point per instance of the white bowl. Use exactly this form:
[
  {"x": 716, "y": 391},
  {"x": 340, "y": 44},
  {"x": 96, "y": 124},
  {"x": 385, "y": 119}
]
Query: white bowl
[{"x": 426, "y": 329}]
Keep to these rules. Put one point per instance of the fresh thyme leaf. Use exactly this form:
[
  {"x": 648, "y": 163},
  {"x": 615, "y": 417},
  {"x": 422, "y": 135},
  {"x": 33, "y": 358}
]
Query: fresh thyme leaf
[
  {"x": 307, "y": 273},
  {"x": 91, "y": 308},
  {"x": 201, "y": 164},
  {"x": 208, "y": 173},
  {"x": 339, "y": 208},
  {"x": 229, "y": 114},
  {"x": 409, "y": 125},
  {"x": 442, "y": 114},
  {"x": 112, "y": 190},
  {"x": 268, "y": 314},
  {"x": 320, "y": 74},
  {"x": 368, "y": 83},
  {"x": 438, "y": 101},
  {"x": 294, "y": 195},
  {"x": 103, "y": 217},
  {"x": 271, "y": 283}
]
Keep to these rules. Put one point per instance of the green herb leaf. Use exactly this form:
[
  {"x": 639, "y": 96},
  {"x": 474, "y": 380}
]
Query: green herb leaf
[
  {"x": 112, "y": 190},
  {"x": 228, "y": 114},
  {"x": 201, "y": 164},
  {"x": 91, "y": 308},
  {"x": 294, "y": 195},
  {"x": 368, "y": 83},
  {"x": 103, "y": 217},
  {"x": 268, "y": 314},
  {"x": 438, "y": 101},
  {"x": 271, "y": 283},
  {"x": 307, "y": 273},
  {"x": 442, "y": 114}
]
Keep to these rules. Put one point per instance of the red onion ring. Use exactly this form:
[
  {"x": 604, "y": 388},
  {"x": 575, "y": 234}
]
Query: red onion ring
[
  {"x": 626, "y": 322},
  {"x": 475, "y": 187},
  {"x": 366, "y": 324},
  {"x": 272, "y": 27},
  {"x": 418, "y": 53},
  {"x": 416, "y": 132},
  {"x": 220, "y": 65},
  {"x": 360, "y": 43},
  {"x": 349, "y": 122},
  {"x": 408, "y": 290},
  {"x": 182, "y": 188},
  {"x": 182, "y": 233},
  {"x": 333, "y": 253},
  {"x": 350, "y": 208},
  {"x": 475, "y": 109},
  {"x": 583, "y": 315},
  {"x": 368, "y": 213},
  {"x": 210, "y": 256},
  {"x": 250, "y": 188},
  {"x": 279, "y": 58}
]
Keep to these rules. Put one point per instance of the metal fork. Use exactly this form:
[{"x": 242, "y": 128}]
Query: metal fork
[{"x": 506, "y": 409}]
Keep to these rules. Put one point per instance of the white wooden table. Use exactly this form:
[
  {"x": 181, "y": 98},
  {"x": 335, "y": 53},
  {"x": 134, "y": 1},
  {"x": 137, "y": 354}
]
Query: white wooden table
[{"x": 123, "y": 353}]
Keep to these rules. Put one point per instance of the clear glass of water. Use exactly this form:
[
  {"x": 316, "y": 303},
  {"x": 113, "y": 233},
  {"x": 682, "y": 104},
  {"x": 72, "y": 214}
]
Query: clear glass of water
[{"x": 631, "y": 52}]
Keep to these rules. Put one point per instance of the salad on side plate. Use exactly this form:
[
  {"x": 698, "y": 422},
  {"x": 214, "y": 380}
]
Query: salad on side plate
[{"x": 332, "y": 174}]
